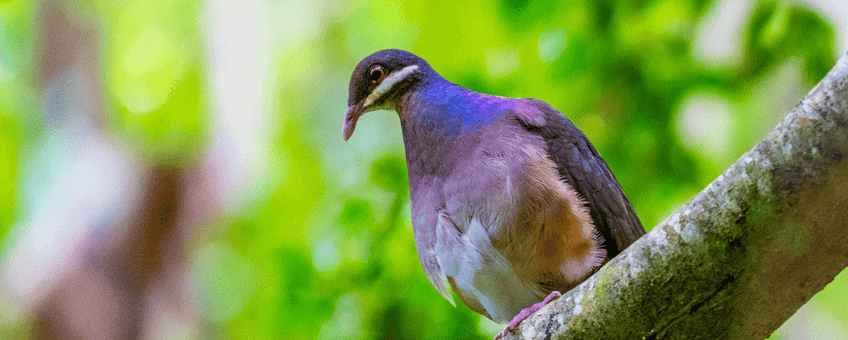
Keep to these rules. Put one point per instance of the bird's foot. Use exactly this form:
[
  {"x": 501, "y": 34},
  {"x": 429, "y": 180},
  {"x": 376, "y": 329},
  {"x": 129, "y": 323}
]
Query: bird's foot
[{"x": 527, "y": 312}]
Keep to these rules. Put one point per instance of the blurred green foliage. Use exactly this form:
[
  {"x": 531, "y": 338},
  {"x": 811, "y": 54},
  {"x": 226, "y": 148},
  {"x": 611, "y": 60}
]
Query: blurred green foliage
[
  {"x": 152, "y": 74},
  {"x": 16, "y": 54},
  {"x": 329, "y": 252}
]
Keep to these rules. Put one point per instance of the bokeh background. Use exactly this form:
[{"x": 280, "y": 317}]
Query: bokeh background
[{"x": 175, "y": 169}]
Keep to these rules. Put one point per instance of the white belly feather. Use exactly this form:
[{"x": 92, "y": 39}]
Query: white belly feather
[{"x": 480, "y": 272}]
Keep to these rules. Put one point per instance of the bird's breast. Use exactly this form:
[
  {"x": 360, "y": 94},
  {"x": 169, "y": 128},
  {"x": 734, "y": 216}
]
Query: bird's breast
[{"x": 504, "y": 229}]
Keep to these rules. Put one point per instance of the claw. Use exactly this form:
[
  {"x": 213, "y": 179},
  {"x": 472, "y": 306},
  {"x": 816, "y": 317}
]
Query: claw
[{"x": 524, "y": 313}]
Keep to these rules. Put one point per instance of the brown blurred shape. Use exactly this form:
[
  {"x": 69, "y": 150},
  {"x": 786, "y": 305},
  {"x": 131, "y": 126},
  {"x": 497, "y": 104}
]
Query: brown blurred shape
[{"x": 131, "y": 279}]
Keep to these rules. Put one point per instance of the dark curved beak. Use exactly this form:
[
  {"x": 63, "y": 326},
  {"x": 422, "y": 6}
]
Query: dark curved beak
[{"x": 353, "y": 113}]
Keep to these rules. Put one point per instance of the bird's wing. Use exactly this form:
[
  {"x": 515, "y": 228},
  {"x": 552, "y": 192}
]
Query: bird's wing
[{"x": 580, "y": 165}]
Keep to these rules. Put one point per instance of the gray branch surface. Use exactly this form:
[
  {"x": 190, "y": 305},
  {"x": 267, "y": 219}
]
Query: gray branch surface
[{"x": 742, "y": 256}]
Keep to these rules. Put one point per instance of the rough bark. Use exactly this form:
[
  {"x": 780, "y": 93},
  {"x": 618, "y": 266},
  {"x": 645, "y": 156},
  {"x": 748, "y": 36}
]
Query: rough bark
[{"x": 742, "y": 256}]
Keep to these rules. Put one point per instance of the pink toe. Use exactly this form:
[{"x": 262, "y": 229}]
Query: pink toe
[{"x": 524, "y": 313}]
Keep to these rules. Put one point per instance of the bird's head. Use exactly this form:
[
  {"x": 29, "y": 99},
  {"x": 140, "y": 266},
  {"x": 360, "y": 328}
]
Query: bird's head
[{"x": 378, "y": 82}]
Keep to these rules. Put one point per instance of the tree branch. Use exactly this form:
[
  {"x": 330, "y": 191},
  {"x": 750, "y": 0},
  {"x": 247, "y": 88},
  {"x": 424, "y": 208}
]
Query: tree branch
[{"x": 743, "y": 255}]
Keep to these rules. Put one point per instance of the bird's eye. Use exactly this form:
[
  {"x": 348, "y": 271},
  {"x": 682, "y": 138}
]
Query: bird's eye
[{"x": 376, "y": 74}]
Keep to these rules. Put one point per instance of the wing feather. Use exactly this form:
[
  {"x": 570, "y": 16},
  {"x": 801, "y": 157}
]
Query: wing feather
[{"x": 580, "y": 165}]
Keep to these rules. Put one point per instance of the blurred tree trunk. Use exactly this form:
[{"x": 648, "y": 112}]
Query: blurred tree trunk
[
  {"x": 743, "y": 255},
  {"x": 129, "y": 262}
]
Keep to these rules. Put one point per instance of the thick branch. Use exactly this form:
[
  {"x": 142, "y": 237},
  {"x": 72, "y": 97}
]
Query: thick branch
[{"x": 743, "y": 255}]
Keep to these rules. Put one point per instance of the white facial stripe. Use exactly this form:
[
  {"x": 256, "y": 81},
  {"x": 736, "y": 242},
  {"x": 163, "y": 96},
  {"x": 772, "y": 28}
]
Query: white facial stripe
[{"x": 388, "y": 83}]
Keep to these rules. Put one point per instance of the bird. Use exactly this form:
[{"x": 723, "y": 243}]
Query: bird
[{"x": 510, "y": 203}]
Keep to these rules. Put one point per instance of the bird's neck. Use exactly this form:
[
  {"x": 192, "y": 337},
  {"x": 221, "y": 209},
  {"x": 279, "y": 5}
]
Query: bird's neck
[
  {"x": 449, "y": 110},
  {"x": 438, "y": 116}
]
